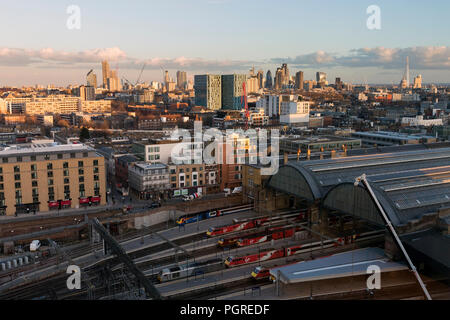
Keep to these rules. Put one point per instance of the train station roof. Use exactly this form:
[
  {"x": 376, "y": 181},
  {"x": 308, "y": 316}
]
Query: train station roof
[
  {"x": 409, "y": 183},
  {"x": 345, "y": 264}
]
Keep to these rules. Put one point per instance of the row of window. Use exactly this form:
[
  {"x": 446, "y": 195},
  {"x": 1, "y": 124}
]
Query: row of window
[{"x": 46, "y": 157}]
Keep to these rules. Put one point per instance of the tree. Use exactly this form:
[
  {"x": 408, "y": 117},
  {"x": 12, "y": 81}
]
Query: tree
[
  {"x": 84, "y": 134},
  {"x": 63, "y": 123}
]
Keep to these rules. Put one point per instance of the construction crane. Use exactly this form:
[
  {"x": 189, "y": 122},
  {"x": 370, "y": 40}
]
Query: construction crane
[
  {"x": 244, "y": 101},
  {"x": 140, "y": 74},
  {"x": 363, "y": 179}
]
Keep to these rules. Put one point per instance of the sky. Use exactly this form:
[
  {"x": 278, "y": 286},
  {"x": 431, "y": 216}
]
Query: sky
[{"x": 223, "y": 36}]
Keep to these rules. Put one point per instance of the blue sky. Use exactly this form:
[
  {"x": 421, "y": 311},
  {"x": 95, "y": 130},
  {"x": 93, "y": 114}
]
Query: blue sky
[{"x": 223, "y": 36}]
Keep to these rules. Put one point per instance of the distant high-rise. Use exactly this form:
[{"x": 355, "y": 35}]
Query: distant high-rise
[
  {"x": 91, "y": 79},
  {"x": 208, "y": 91},
  {"x": 321, "y": 78},
  {"x": 299, "y": 80},
  {"x": 232, "y": 91},
  {"x": 181, "y": 80},
  {"x": 166, "y": 77},
  {"x": 418, "y": 82},
  {"x": 405, "y": 80},
  {"x": 260, "y": 76},
  {"x": 282, "y": 77},
  {"x": 269, "y": 81},
  {"x": 338, "y": 84},
  {"x": 105, "y": 73}
]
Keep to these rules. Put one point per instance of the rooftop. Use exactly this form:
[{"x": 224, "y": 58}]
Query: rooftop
[{"x": 37, "y": 148}]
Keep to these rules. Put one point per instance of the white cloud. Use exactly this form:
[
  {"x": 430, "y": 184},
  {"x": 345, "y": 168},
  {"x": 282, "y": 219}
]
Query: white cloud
[{"x": 426, "y": 58}]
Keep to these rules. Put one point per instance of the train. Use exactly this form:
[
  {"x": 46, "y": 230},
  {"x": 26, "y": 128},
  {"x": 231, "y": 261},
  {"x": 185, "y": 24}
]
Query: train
[
  {"x": 188, "y": 270},
  {"x": 271, "y": 254},
  {"x": 272, "y": 233},
  {"x": 210, "y": 214},
  {"x": 251, "y": 224}
]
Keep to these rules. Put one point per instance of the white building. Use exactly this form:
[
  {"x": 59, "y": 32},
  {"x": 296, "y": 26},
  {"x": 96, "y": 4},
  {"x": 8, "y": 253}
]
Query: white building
[
  {"x": 295, "y": 112},
  {"x": 420, "y": 121}
]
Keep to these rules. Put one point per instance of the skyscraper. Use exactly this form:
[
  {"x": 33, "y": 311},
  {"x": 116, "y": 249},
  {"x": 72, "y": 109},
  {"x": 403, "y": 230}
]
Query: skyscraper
[
  {"x": 269, "y": 81},
  {"x": 321, "y": 78},
  {"x": 418, "y": 82},
  {"x": 166, "y": 77},
  {"x": 260, "y": 76},
  {"x": 105, "y": 73},
  {"x": 405, "y": 80},
  {"x": 181, "y": 79},
  {"x": 208, "y": 91},
  {"x": 299, "y": 80},
  {"x": 232, "y": 91},
  {"x": 91, "y": 79}
]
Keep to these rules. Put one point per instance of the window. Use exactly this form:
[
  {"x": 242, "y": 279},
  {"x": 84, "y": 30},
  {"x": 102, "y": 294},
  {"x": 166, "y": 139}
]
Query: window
[
  {"x": 81, "y": 187},
  {"x": 80, "y": 179},
  {"x": 95, "y": 162},
  {"x": 96, "y": 178},
  {"x": 50, "y": 174},
  {"x": 174, "y": 185},
  {"x": 66, "y": 173},
  {"x": 2, "y": 187},
  {"x": 5, "y": 160},
  {"x": 47, "y": 157},
  {"x": 1, "y": 170},
  {"x": 95, "y": 170},
  {"x": 33, "y": 167},
  {"x": 16, "y": 169},
  {"x": 51, "y": 190},
  {"x": 50, "y": 182},
  {"x": 33, "y": 158},
  {"x": 66, "y": 181},
  {"x": 49, "y": 166},
  {"x": 65, "y": 165},
  {"x": 60, "y": 156},
  {"x": 72, "y": 155},
  {"x": 17, "y": 177},
  {"x": 80, "y": 171},
  {"x": 33, "y": 175},
  {"x": 1, "y": 178},
  {"x": 34, "y": 183},
  {"x": 173, "y": 179},
  {"x": 85, "y": 154},
  {"x": 80, "y": 164},
  {"x": 17, "y": 185},
  {"x": 66, "y": 189},
  {"x": 19, "y": 159}
]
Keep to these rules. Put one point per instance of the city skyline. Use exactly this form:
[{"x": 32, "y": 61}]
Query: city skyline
[{"x": 212, "y": 37}]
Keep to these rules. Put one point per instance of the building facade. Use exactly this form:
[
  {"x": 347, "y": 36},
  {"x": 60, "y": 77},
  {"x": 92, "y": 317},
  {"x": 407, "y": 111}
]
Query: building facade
[
  {"x": 208, "y": 91},
  {"x": 50, "y": 177}
]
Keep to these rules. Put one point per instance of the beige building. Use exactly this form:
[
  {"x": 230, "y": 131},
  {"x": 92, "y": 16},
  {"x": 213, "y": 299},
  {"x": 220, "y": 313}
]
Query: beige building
[
  {"x": 96, "y": 106},
  {"x": 44, "y": 177}
]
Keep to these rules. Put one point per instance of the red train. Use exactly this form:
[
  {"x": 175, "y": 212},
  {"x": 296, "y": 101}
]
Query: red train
[
  {"x": 271, "y": 234},
  {"x": 254, "y": 223},
  {"x": 289, "y": 251}
]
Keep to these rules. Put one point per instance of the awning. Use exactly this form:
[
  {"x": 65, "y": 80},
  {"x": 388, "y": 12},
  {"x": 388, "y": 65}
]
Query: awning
[
  {"x": 53, "y": 204},
  {"x": 66, "y": 203},
  {"x": 83, "y": 200},
  {"x": 95, "y": 199}
]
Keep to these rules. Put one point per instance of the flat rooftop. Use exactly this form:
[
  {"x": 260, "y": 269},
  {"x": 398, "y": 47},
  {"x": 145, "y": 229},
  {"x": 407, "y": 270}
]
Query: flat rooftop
[
  {"x": 38, "y": 148},
  {"x": 340, "y": 265}
]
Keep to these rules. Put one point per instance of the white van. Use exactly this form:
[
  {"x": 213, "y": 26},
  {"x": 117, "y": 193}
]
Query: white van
[{"x": 35, "y": 245}]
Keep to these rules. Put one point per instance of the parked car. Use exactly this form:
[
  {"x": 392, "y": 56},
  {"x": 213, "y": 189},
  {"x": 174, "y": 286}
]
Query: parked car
[{"x": 154, "y": 205}]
